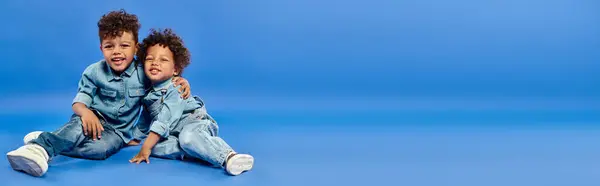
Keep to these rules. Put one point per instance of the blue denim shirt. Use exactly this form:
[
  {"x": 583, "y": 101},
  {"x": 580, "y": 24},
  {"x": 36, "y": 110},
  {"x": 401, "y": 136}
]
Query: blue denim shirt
[
  {"x": 165, "y": 111},
  {"x": 117, "y": 98}
]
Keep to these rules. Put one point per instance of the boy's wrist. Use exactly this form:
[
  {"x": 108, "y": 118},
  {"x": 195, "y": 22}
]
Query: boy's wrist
[
  {"x": 146, "y": 147},
  {"x": 86, "y": 112}
]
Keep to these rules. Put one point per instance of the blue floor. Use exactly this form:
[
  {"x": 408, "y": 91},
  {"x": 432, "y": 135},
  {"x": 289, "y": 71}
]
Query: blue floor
[{"x": 328, "y": 147}]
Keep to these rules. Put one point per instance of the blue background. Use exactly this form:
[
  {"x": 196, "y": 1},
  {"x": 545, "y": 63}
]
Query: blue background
[
  {"x": 467, "y": 92},
  {"x": 359, "y": 50}
]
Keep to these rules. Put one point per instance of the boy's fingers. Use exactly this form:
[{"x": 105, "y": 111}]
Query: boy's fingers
[
  {"x": 99, "y": 129},
  {"x": 178, "y": 80},
  {"x": 89, "y": 130},
  {"x": 184, "y": 94},
  {"x": 84, "y": 124},
  {"x": 134, "y": 159},
  {"x": 94, "y": 133}
]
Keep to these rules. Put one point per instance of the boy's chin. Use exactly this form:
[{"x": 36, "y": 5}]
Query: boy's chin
[
  {"x": 119, "y": 67},
  {"x": 155, "y": 79}
]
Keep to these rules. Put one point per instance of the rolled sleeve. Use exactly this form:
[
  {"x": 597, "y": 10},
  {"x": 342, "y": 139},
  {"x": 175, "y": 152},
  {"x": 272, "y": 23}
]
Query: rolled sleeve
[
  {"x": 160, "y": 128},
  {"x": 83, "y": 98}
]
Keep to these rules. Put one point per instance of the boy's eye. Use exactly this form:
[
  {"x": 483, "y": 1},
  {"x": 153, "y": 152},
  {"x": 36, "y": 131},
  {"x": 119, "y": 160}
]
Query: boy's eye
[
  {"x": 125, "y": 45},
  {"x": 107, "y": 46}
]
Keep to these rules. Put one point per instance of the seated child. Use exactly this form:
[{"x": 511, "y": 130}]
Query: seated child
[
  {"x": 179, "y": 128},
  {"x": 107, "y": 104}
]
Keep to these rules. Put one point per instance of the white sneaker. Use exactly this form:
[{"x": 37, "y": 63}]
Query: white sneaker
[
  {"x": 239, "y": 163},
  {"x": 31, "y": 136},
  {"x": 31, "y": 159}
]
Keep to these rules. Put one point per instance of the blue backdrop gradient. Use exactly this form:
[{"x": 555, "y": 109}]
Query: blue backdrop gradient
[
  {"x": 357, "y": 49},
  {"x": 463, "y": 92}
]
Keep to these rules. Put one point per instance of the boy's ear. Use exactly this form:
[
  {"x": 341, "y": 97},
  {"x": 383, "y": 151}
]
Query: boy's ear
[{"x": 176, "y": 73}]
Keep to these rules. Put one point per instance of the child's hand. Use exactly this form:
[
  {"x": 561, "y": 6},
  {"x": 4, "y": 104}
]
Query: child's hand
[
  {"x": 91, "y": 125},
  {"x": 185, "y": 86},
  {"x": 143, "y": 155}
]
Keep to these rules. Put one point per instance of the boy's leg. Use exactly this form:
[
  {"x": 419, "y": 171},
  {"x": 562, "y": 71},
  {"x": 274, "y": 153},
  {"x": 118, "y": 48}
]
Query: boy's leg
[
  {"x": 64, "y": 139},
  {"x": 199, "y": 139},
  {"x": 33, "y": 157},
  {"x": 100, "y": 149},
  {"x": 168, "y": 149}
]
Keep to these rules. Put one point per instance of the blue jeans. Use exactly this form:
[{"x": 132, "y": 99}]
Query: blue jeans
[
  {"x": 197, "y": 140},
  {"x": 69, "y": 140}
]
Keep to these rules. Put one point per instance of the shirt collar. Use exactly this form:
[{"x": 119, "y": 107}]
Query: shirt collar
[{"x": 162, "y": 85}]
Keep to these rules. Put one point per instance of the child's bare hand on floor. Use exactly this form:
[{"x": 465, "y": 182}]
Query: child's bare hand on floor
[{"x": 143, "y": 155}]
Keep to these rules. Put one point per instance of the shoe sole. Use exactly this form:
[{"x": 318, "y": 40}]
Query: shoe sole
[
  {"x": 26, "y": 165},
  {"x": 239, "y": 164}
]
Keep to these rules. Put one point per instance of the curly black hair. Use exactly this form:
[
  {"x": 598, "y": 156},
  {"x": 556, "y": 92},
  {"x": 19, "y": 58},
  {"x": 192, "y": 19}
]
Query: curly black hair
[
  {"x": 114, "y": 23},
  {"x": 169, "y": 39}
]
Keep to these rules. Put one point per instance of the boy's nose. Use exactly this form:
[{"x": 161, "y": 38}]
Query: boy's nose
[{"x": 117, "y": 50}]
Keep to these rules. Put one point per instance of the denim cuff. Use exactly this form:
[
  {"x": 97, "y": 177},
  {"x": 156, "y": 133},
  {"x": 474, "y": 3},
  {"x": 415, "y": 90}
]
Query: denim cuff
[
  {"x": 83, "y": 98},
  {"x": 160, "y": 128}
]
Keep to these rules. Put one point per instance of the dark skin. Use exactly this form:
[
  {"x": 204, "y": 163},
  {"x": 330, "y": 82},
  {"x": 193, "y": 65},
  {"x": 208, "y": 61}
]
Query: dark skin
[
  {"x": 118, "y": 51},
  {"x": 92, "y": 126},
  {"x": 144, "y": 154}
]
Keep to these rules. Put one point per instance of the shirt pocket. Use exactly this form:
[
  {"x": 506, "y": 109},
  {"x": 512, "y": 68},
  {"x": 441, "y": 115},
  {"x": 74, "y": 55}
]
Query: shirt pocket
[
  {"x": 136, "y": 92},
  {"x": 107, "y": 97},
  {"x": 108, "y": 93}
]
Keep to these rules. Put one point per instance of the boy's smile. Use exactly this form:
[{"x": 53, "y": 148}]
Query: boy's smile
[
  {"x": 117, "y": 60},
  {"x": 119, "y": 51}
]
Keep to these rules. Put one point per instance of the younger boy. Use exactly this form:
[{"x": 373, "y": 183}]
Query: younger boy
[
  {"x": 106, "y": 106},
  {"x": 179, "y": 128}
]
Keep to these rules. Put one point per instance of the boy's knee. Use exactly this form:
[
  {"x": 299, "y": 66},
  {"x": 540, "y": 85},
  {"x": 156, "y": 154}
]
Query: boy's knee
[
  {"x": 73, "y": 126},
  {"x": 185, "y": 138},
  {"x": 189, "y": 137}
]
